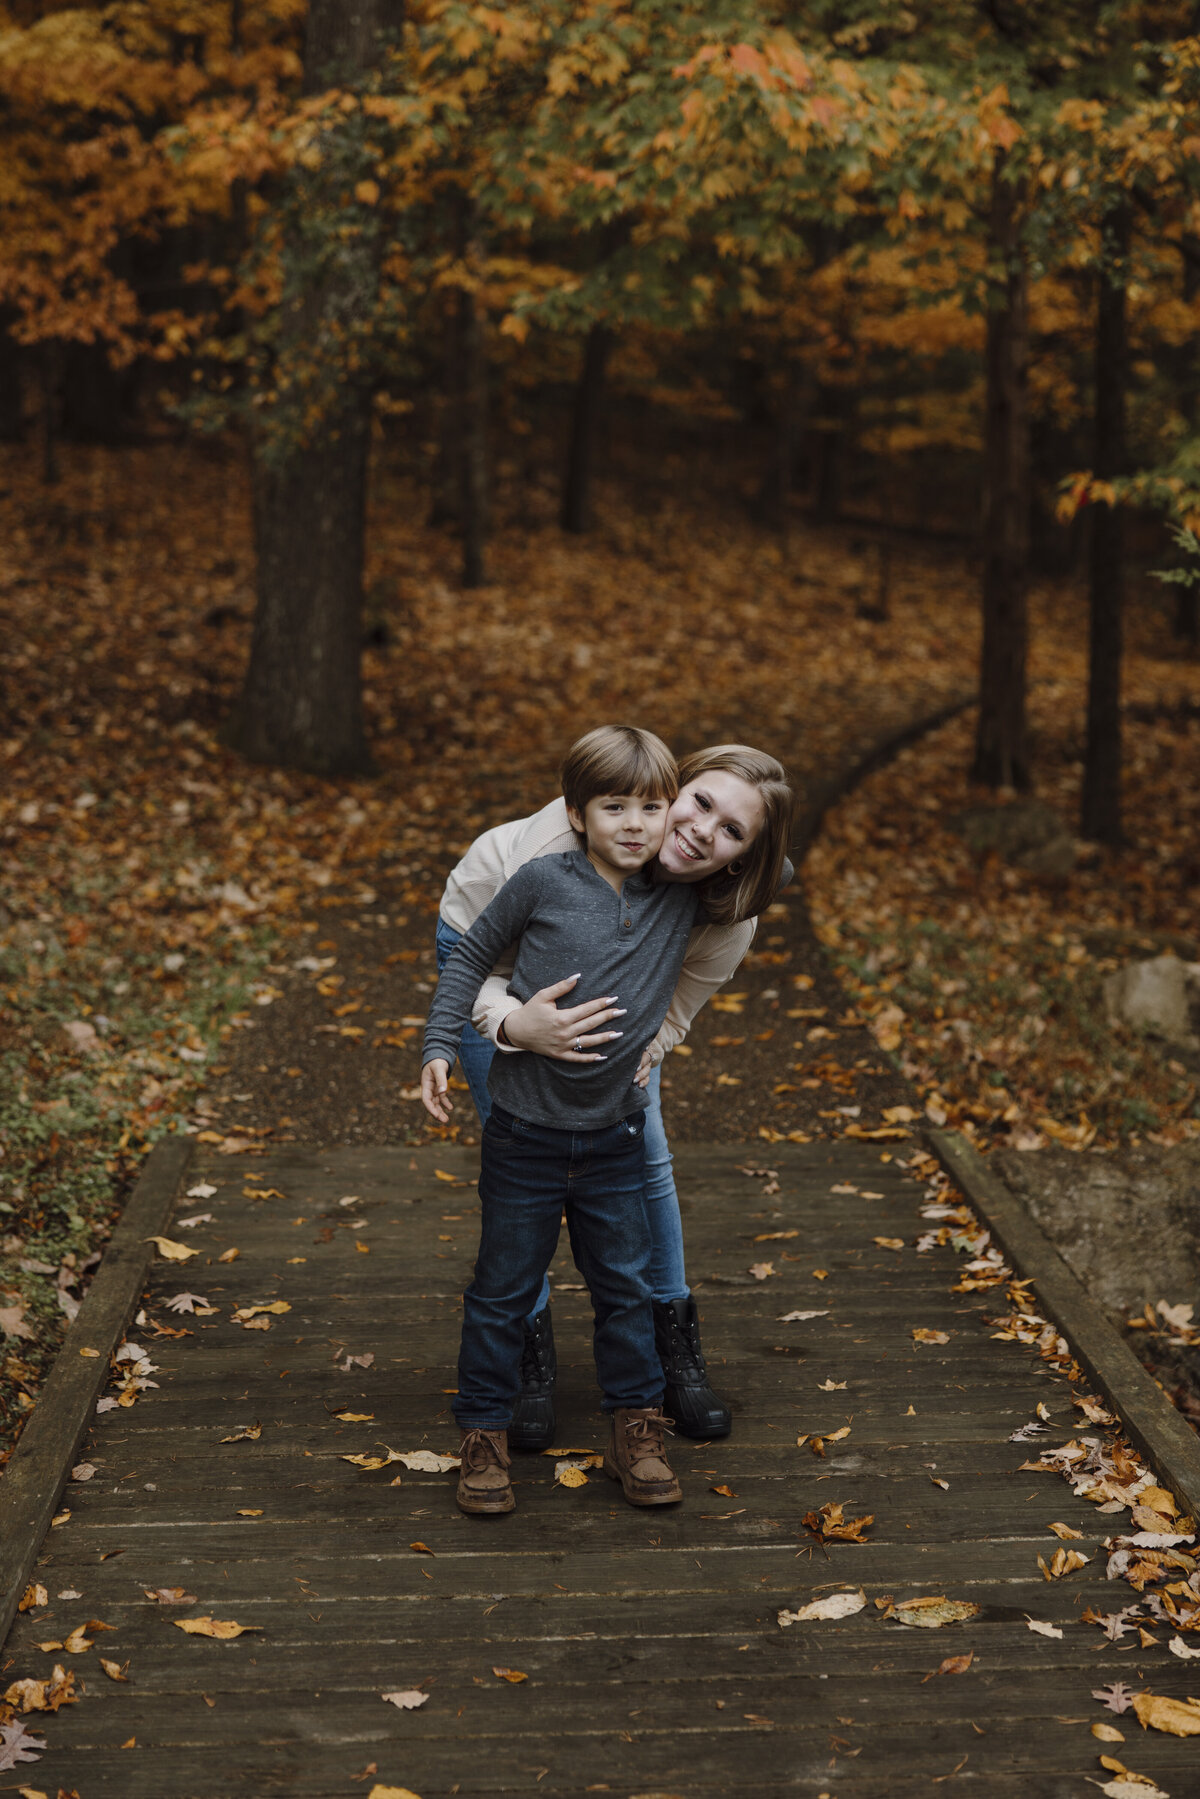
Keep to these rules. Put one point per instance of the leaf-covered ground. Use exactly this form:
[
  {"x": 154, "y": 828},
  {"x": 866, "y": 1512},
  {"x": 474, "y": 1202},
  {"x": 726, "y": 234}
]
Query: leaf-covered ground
[{"x": 185, "y": 939}]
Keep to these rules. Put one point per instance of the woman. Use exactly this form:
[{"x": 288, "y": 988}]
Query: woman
[{"x": 727, "y": 830}]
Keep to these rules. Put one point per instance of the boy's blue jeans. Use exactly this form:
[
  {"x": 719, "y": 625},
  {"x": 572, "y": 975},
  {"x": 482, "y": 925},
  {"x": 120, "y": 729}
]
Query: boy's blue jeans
[
  {"x": 530, "y": 1174},
  {"x": 668, "y": 1279}
]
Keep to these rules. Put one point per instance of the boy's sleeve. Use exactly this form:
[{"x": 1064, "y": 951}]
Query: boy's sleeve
[{"x": 498, "y": 925}]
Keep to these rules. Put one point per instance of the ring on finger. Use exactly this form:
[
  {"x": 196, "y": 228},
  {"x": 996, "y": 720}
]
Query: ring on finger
[{"x": 577, "y": 1046}]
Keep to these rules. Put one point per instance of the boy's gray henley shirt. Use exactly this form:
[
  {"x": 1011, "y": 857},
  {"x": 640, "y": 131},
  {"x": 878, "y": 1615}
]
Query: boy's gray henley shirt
[{"x": 566, "y": 919}]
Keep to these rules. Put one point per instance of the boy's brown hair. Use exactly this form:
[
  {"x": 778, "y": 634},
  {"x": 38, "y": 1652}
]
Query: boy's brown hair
[{"x": 618, "y": 759}]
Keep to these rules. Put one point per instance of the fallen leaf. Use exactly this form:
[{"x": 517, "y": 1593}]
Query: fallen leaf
[
  {"x": 246, "y": 1511},
  {"x": 760, "y": 1270},
  {"x": 379, "y": 1792},
  {"x": 1178, "y": 1647},
  {"x": 189, "y": 1224},
  {"x": 921, "y": 1335},
  {"x": 1064, "y": 1530},
  {"x": 247, "y": 1433},
  {"x": 833, "y": 1605},
  {"x": 890, "y": 1242},
  {"x": 12, "y": 1322},
  {"x": 18, "y": 1745},
  {"x": 114, "y": 1670},
  {"x": 170, "y": 1595},
  {"x": 1064, "y": 1561},
  {"x": 1041, "y": 1627},
  {"x": 1132, "y": 1787},
  {"x": 186, "y": 1302},
  {"x": 1177, "y": 1717},
  {"x": 512, "y": 1675},
  {"x": 830, "y": 1524},
  {"x": 34, "y": 1594},
  {"x": 254, "y": 1324},
  {"x": 422, "y": 1549},
  {"x": 275, "y": 1306},
  {"x": 406, "y": 1702},
  {"x": 443, "y": 1176},
  {"x": 932, "y": 1612},
  {"x": 832, "y": 1386},
  {"x": 355, "y": 1417},
  {"x": 776, "y": 1236},
  {"x": 229, "y": 1255},
  {"x": 1108, "y": 1733},
  {"x": 725, "y": 1492},
  {"x": 953, "y": 1664},
  {"x": 801, "y": 1317},
  {"x": 174, "y": 1252},
  {"x": 571, "y": 1476},
  {"x": 820, "y": 1274},
  {"x": 202, "y": 1190},
  {"x": 43, "y": 1695},
  {"x": 1117, "y": 1696},
  {"x": 424, "y": 1461},
  {"x": 223, "y": 1628}
]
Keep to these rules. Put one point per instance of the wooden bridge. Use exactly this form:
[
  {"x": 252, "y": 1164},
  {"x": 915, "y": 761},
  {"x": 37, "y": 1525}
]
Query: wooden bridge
[{"x": 577, "y": 1646}]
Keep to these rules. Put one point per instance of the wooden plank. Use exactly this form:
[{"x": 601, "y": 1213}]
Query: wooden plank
[
  {"x": 1168, "y": 1443},
  {"x": 42, "y": 1460}
]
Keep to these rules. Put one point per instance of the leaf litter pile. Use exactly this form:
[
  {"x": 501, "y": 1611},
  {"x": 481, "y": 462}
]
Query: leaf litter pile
[{"x": 976, "y": 932}]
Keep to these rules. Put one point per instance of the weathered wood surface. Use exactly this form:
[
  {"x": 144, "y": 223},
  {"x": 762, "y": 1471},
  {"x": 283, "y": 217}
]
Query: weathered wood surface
[
  {"x": 34, "y": 1476},
  {"x": 654, "y": 1661}
]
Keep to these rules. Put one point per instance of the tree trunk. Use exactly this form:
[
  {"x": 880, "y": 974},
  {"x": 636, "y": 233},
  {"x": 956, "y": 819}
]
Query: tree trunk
[
  {"x": 51, "y": 397},
  {"x": 12, "y": 407},
  {"x": 301, "y": 705},
  {"x": 1186, "y": 622},
  {"x": 473, "y": 401},
  {"x": 829, "y": 432},
  {"x": 445, "y": 500},
  {"x": 1002, "y": 735},
  {"x": 1100, "y": 810},
  {"x": 576, "y": 515}
]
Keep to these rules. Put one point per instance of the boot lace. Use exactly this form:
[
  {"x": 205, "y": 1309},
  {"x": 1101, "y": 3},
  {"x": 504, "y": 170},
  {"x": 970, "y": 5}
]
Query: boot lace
[
  {"x": 644, "y": 1433},
  {"x": 686, "y": 1353},
  {"x": 480, "y": 1450},
  {"x": 535, "y": 1364}
]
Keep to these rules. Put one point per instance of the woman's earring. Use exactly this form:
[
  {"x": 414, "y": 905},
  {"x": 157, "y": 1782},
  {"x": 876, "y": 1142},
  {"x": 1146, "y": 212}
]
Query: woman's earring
[{"x": 735, "y": 868}]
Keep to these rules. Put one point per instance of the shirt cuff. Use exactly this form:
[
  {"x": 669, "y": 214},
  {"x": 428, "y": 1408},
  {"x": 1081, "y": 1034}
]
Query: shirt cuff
[{"x": 495, "y": 1017}]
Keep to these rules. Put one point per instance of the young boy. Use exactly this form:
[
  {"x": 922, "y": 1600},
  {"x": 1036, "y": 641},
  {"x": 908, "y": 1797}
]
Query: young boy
[{"x": 567, "y": 1136}]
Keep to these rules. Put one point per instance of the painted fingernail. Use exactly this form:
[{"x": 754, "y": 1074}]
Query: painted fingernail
[{"x": 621, "y": 1011}]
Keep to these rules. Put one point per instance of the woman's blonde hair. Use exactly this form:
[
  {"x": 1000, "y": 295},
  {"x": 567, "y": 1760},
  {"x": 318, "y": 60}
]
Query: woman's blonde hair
[
  {"x": 618, "y": 759},
  {"x": 750, "y": 883}
]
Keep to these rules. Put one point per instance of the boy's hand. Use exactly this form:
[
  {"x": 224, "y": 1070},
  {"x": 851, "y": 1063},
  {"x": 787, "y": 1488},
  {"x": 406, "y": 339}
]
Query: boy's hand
[
  {"x": 646, "y": 1067},
  {"x": 540, "y": 1026},
  {"x": 434, "y": 1095}
]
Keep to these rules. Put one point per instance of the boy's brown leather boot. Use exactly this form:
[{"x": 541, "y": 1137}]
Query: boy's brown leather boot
[
  {"x": 483, "y": 1483},
  {"x": 635, "y": 1456}
]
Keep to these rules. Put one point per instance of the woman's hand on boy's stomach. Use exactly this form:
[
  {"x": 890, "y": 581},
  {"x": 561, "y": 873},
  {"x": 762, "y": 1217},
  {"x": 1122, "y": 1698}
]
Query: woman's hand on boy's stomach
[{"x": 546, "y": 1029}]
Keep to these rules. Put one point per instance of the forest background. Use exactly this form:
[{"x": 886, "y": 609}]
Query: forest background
[{"x": 388, "y": 391}]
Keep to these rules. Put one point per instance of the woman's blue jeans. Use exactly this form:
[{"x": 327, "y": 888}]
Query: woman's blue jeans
[{"x": 668, "y": 1279}]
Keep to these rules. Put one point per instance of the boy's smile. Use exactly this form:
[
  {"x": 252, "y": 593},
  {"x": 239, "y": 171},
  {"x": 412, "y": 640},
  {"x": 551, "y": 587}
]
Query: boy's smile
[{"x": 623, "y": 831}]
